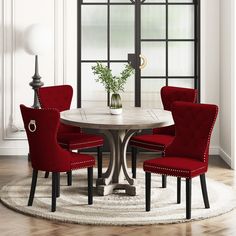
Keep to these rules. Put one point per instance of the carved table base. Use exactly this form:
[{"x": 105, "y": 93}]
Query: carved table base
[{"x": 116, "y": 176}]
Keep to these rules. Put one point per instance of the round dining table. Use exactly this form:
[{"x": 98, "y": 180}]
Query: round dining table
[{"x": 118, "y": 130}]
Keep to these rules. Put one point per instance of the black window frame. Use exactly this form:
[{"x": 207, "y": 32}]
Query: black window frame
[{"x": 138, "y": 41}]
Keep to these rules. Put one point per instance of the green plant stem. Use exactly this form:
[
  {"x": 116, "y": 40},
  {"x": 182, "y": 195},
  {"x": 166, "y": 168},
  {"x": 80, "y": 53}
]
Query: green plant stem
[{"x": 113, "y": 84}]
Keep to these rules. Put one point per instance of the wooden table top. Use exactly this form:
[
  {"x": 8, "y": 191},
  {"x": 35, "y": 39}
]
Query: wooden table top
[{"x": 131, "y": 118}]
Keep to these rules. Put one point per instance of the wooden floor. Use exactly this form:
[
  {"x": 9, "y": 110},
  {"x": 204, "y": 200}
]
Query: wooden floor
[{"x": 12, "y": 223}]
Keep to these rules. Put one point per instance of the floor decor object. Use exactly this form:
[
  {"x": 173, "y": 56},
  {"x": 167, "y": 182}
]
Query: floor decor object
[
  {"x": 118, "y": 208},
  {"x": 37, "y": 41}
]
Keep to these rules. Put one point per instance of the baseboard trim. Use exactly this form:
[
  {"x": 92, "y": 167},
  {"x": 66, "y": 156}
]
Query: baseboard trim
[
  {"x": 214, "y": 150},
  {"x": 14, "y": 151},
  {"x": 225, "y": 157}
]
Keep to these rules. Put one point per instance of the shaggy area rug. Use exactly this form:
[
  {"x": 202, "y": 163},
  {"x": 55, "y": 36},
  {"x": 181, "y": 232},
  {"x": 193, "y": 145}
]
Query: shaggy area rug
[{"x": 118, "y": 208}]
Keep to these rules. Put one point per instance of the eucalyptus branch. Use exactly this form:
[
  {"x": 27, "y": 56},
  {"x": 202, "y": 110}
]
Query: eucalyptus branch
[{"x": 113, "y": 84}]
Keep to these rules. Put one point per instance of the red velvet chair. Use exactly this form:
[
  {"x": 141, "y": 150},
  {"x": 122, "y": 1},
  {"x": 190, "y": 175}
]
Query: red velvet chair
[
  {"x": 69, "y": 137},
  {"x": 41, "y": 126},
  {"x": 187, "y": 156},
  {"x": 161, "y": 137}
]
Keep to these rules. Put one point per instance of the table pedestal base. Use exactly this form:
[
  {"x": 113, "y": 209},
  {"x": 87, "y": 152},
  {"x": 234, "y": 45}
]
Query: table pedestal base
[
  {"x": 104, "y": 190},
  {"x": 116, "y": 176}
]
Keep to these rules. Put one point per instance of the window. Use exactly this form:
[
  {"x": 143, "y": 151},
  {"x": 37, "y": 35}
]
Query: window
[{"x": 165, "y": 33}]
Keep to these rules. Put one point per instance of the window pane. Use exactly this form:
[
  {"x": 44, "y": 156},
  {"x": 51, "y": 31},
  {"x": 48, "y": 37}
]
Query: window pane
[
  {"x": 122, "y": 31},
  {"x": 94, "y": 32},
  {"x": 181, "y": 58},
  {"x": 183, "y": 83},
  {"x": 181, "y": 22},
  {"x": 153, "y": 22},
  {"x": 150, "y": 92},
  {"x": 155, "y": 54},
  {"x": 93, "y": 93}
]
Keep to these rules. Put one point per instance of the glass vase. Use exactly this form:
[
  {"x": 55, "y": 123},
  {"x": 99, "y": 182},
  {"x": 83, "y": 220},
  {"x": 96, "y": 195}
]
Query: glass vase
[{"x": 116, "y": 105}]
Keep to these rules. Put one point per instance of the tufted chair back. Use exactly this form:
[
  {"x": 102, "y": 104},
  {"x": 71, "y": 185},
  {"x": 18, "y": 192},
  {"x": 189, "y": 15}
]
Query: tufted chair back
[
  {"x": 41, "y": 127},
  {"x": 58, "y": 97},
  {"x": 194, "y": 124},
  {"x": 169, "y": 95}
]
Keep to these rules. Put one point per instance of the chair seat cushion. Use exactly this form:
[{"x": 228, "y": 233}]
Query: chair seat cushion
[
  {"x": 154, "y": 142},
  {"x": 72, "y": 141},
  {"x": 79, "y": 161},
  {"x": 175, "y": 166}
]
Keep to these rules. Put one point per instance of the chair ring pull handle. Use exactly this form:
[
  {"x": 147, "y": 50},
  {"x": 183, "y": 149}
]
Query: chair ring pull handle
[{"x": 32, "y": 123}]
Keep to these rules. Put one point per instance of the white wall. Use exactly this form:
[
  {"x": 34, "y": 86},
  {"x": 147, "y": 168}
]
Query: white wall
[
  {"x": 59, "y": 65},
  {"x": 226, "y": 78},
  {"x": 17, "y": 67},
  {"x": 233, "y": 87},
  {"x": 210, "y": 52}
]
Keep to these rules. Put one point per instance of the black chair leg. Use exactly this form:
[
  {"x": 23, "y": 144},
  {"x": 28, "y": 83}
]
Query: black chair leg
[
  {"x": 29, "y": 159},
  {"x": 90, "y": 185},
  {"x": 164, "y": 177},
  {"x": 204, "y": 191},
  {"x": 148, "y": 190},
  {"x": 46, "y": 175},
  {"x": 58, "y": 184},
  {"x": 188, "y": 198},
  {"x": 134, "y": 161},
  {"x": 54, "y": 190},
  {"x": 33, "y": 187},
  {"x": 99, "y": 159},
  {"x": 69, "y": 178},
  {"x": 178, "y": 190}
]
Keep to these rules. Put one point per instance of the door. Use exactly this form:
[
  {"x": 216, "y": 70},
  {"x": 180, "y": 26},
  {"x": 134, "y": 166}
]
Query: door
[{"x": 160, "y": 38}]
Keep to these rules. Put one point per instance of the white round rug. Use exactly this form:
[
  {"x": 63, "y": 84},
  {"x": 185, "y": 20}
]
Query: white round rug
[{"x": 118, "y": 208}]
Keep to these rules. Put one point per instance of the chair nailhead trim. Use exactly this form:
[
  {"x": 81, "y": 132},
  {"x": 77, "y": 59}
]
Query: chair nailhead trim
[
  {"x": 80, "y": 162},
  {"x": 174, "y": 170},
  {"x": 209, "y": 135},
  {"x": 208, "y": 139},
  {"x": 169, "y": 169}
]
